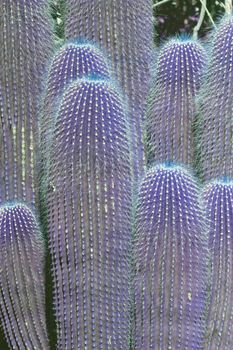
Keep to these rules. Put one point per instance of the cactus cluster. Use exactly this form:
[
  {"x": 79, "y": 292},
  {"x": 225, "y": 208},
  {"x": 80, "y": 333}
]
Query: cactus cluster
[{"x": 132, "y": 268}]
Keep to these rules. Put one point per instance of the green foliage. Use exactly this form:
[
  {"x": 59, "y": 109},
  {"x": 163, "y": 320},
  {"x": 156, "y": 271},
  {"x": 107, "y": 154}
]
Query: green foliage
[{"x": 57, "y": 12}]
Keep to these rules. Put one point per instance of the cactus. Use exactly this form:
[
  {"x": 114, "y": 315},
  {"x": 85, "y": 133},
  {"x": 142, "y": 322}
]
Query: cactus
[
  {"x": 215, "y": 150},
  {"x": 73, "y": 60},
  {"x": 171, "y": 105},
  {"x": 170, "y": 252},
  {"x": 218, "y": 197},
  {"x": 89, "y": 198},
  {"x": 26, "y": 42},
  {"x": 124, "y": 28},
  {"x": 22, "y": 282}
]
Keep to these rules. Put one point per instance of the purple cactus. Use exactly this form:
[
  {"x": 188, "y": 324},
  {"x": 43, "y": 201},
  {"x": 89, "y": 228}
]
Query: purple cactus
[
  {"x": 171, "y": 107},
  {"x": 89, "y": 198},
  {"x": 216, "y": 106},
  {"x": 218, "y": 196},
  {"x": 72, "y": 61},
  {"x": 125, "y": 29},
  {"x": 22, "y": 282},
  {"x": 170, "y": 254},
  {"x": 26, "y": 41}
]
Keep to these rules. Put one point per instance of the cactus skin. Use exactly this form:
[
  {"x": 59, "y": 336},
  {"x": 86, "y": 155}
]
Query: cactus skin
[
  {"x": 22, "y": 291},
  {"x": 171, "y": 262},
  {"x": 171, "y": 105},
  {"x": 218, "y": 197},
  {"x": 215, "y": 151},
  {"x": 26, "y": 42},
  {"x": 89, "y": 199},
  {"x": 125, "y": 29},
  {"x": 72, "y": 61}
]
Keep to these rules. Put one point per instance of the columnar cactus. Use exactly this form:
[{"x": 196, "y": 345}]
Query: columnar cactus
[
  {"x": 89, "y": 198},
  {"x": 73, "y": 60},
  {"x": 170, "y": 251},
  {"x": 171, "y": 106},
  {"x": 218, "y": 196},
  {"x": 216, "y": 106},
  {"x": 22, "y": 282},
  {"x": 124, "y": 28},
  {"x": 26, "y": 41}
]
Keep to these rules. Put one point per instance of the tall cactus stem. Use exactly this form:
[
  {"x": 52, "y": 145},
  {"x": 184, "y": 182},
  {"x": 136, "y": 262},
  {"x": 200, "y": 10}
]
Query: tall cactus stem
[
  {"x": 89, "y": 199},
  {"x": 171, "y": 262},
  {"x": 171, "y": 104},
  {"x": 214, "y": 140},
  {"x": 22, "y": 282},
  {"x": 26, "y": 42},
  {"x": 218, "y": 198}
]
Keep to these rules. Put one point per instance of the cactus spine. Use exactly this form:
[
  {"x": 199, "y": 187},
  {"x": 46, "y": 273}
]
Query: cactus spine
[
  {"x": 215, "y": 112},
  {"x": 22, "y": 291},
  {"x": 218, "y": 197},
  {"x": 26, "y": 41},
  {"x": 171, "y": 262},
  {"x": 89, "y": 200},
  {"x": 171, "y": 106},
  {"x": 124, "y": 28}
]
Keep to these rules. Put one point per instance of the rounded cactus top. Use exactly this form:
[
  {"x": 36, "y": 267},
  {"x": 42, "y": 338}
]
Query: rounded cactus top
[
  {"x": 219, "y": 189},
  {"x": 16, "y": 219},
  {"x": 180, "y": 57},
  {"x": 91, "y": 119},
  {"x": 171, "y": 104},
  {"x": 76, "y": 60},
  {"x": 171, "y": 193},
  {"x": 218, "y": 199}
]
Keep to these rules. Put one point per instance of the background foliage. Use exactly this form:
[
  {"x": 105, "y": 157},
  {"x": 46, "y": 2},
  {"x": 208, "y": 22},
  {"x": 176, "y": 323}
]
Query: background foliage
[{"x": 181, "y": 16}]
